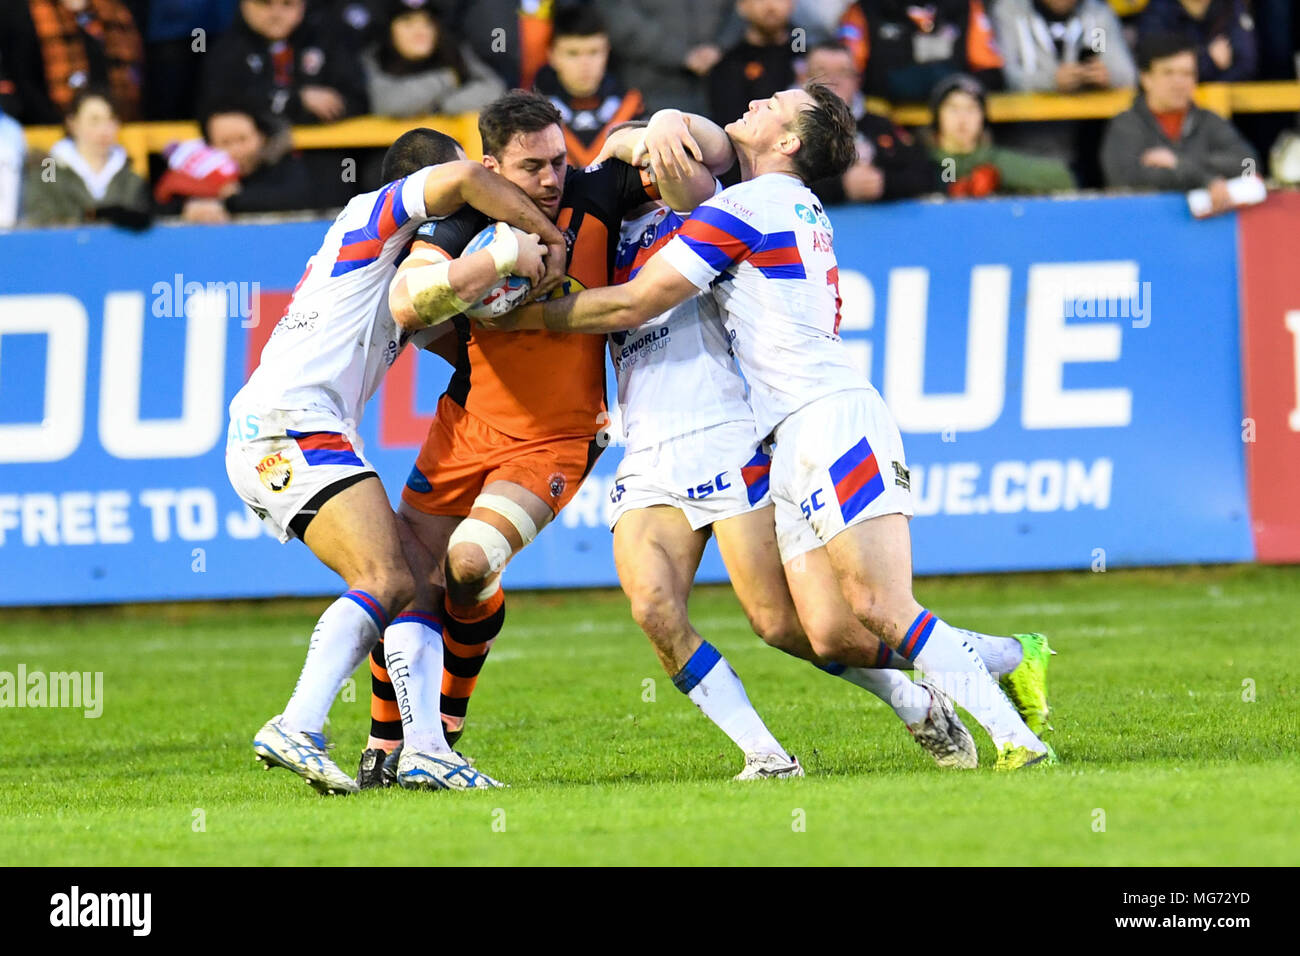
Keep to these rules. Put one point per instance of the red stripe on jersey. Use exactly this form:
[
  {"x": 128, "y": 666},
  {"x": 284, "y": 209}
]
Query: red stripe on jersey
[
  {"x": 642, "y": 257},
  {"x": 365, "y": 249},
  {"x": 387, "y": 224},
  {"x": 734, "y": 249},
  {"x": 787, "y": 256}
]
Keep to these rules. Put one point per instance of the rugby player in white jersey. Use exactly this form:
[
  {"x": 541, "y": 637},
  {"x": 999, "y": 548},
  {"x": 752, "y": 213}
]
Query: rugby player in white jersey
[
  {"x": 693, "y": 464},
  {"x": 293, "y": 455},
  {"x": 838, "y": 476}
]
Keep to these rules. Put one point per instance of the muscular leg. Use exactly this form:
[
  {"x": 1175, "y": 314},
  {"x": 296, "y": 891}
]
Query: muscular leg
[
  {"x": 872, "y": 561},
  {"x": 355, "y": 534},
  {"x": 657, "y": 553},
  {"x": 800, "y": 610}
]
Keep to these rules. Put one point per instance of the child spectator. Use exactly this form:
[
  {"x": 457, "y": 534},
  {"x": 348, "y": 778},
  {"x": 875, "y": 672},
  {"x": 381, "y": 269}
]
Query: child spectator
[
  {"x": 891, "y": 164},
  {"x": 1165, "y": 141},
  {"x": 970, "y": 165},
  {"x": 578, "y": 83},
  {"x": 420, "y": 68},
  {"x": 54, "y": 48},
  {"x": 1224, "y": 32},
  {"x": 760, "y": 65},
  {"x": 270, "y": 54},
  {"x": 90, "y": 177},
  {"x": 904, "y": 49}
]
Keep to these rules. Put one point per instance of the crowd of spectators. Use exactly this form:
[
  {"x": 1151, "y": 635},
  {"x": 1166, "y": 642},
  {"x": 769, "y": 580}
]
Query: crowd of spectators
[{"x": 249, "y": 70}]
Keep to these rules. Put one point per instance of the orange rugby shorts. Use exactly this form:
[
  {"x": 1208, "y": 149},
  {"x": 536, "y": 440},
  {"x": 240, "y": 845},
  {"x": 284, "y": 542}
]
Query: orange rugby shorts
[{"x": 462, "y": 454}]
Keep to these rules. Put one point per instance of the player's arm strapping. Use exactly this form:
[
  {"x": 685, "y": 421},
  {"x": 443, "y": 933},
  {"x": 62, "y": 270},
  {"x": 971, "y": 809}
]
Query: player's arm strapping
[
  {"x": 453, "y": 185},
  {"x": 430, "y": 287}
]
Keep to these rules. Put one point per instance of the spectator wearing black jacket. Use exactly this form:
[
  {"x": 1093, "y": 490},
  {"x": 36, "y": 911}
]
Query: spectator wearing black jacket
[
  {"x": 903, "y": 49},
  {"x": 1224, "y": 31},
  {"x": 271, "y": 177},
  {"x": 285, "y": 65},
  {"x": 760, "y": 65},
  {"x": 891, "y": 163}
]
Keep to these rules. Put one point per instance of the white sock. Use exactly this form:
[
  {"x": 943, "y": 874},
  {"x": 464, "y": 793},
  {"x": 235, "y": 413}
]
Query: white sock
[
  {"x": 708, "y": 680},
  {"x": 413, "y": 654},
  {"x": 343, "y": 637},
  {"x": 1001, "y": 655},
  {"x": 910, "y": 701},
  {"x": 948, "y": 660}
]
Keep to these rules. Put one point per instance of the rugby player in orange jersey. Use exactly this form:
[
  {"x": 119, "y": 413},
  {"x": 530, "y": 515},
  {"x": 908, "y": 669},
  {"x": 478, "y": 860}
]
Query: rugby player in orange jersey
[{"x": 515, "y": 433}]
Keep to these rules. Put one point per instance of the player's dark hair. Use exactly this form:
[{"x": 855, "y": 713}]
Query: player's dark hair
[
  {"x": 510, "y": 114},
  {"x": 827, "y": 136},
  {"x": 580, "y": 21},
  {"x": 1160, "y": 46},
  {"x": 415, "y": 149}
]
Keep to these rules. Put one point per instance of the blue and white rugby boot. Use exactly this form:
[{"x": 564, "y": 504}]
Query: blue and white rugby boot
[
  {"x": 441, "y": 771},
  {"x": 306, "y": 753}
]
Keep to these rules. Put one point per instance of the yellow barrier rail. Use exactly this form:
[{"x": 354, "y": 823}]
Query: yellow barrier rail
[{"x": 143, "y": 139}]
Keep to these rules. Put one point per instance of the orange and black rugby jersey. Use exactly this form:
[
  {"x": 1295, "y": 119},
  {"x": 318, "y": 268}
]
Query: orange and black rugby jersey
[{"x": 531, "y": 384}]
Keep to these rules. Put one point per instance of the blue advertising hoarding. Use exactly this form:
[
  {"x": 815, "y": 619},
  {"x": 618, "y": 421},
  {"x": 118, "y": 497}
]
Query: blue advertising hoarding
[{"x": 1065, "y": 374}]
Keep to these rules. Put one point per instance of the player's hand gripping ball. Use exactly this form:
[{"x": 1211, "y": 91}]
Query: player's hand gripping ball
[{"x": 506, "y": 293}]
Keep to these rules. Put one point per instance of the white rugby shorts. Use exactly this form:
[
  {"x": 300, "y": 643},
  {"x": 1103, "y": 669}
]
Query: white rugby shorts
[
  {"x": 284, "y": 468},
  {"x": 836, "y": 462},
  {"x": 708, "y": 475}
]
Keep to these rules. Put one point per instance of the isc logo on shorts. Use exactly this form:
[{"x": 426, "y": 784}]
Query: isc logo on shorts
[
  {"x": 276, "y": 472},
  {"x": 719, "y": 483}
]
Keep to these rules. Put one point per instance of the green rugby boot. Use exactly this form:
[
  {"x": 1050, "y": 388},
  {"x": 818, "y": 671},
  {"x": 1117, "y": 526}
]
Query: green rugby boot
[
  {"x": 1027, "y": 684},
  {"x": 1018, "y": 758}
]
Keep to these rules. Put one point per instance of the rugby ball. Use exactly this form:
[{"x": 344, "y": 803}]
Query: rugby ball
[{"x": 505, "y": 294}]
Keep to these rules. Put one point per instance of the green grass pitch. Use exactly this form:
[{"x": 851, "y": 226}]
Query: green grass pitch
[{"x": 1176, "y": 700}]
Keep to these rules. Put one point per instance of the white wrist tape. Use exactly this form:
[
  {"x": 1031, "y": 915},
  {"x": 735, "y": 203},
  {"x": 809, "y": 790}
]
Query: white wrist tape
[
  {"x": 512, "y": 512},
  {"x": 505, "y": 249},
  {"x": 431, "y": 293}
]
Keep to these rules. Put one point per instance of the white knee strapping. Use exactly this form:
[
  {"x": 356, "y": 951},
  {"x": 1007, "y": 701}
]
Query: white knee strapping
[
  {"x": 512, "y": 512},
  {"x": 496, "y": 547}
]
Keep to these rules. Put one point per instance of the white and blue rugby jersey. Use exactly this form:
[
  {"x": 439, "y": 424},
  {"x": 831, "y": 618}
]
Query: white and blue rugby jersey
[
  {"x": 675, "y": 373},
  {"x": 765, "y": 249},
  {"x": 336, "y": 340}
]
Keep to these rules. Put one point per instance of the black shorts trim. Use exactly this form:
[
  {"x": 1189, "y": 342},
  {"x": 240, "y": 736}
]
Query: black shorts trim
[{"x": 299, "y": 523}]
